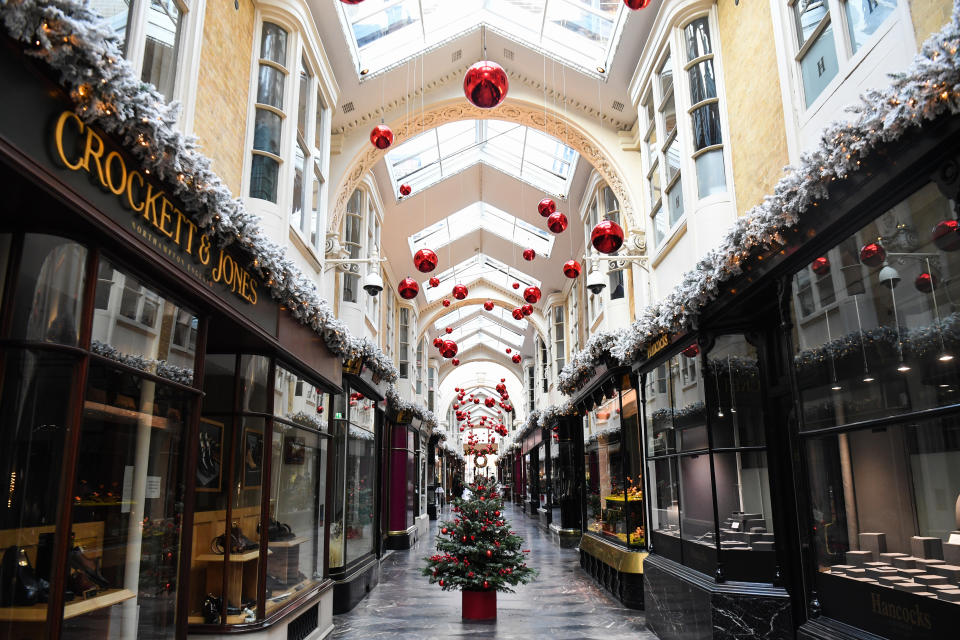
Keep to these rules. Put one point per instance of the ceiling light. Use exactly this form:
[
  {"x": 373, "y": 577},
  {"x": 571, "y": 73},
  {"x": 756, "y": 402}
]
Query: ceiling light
[
  {"x": 945, "y": 357},
  {"x": 868, "y": 378},
  {"x": 903, "y": 367},
  {"x": 364, "y": 72},
  {"x": 836, "y": 387},
  {"x": 601, "y": 70}
]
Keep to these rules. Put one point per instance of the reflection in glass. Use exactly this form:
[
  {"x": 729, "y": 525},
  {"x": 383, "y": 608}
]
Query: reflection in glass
[
  {"x": 266, "y": 131},
  {"x": 270, "y": 86},
  {"x": 273, "y": 43},
  {"x": 164, "y": 20},
  {"x": 864, "y": 17},
  {"x": 264, "y": 172},
  {"x": 360, "y": 499},
  {"x": 49, "y": 290}
]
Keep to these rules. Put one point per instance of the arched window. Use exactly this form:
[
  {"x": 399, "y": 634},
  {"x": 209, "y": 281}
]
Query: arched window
[{"x": 360, "y": 236}]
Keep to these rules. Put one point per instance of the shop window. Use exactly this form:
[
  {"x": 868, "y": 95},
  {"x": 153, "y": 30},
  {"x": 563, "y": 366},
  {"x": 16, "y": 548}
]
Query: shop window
[{"x": 614, "y": 470}]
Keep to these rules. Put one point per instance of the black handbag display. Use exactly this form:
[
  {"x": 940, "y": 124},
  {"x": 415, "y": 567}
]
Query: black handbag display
[{"x": 19, "y": 585}]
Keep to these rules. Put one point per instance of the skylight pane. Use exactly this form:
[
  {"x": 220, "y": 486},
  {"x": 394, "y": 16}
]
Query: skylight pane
[
  {"x": 395, "y": 28},
  {"x": 481, "y": 215},
  {"x": 473, "y": 269}
]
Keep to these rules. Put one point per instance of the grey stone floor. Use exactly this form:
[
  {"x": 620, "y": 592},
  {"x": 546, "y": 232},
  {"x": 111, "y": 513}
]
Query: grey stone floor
[{"x": 562, "y": 603}]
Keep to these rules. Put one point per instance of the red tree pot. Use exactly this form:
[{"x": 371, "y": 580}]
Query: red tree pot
[{"x": 479, "y": 605}]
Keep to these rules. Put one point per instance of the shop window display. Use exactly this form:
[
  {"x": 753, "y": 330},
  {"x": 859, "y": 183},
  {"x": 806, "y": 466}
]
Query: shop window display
[
  {"x": 614, "y": 470},
  {"x": 884, "y": 481}
]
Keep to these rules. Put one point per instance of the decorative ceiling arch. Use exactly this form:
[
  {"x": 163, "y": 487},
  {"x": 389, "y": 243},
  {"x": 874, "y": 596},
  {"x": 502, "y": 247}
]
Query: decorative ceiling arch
[
  {"x": 481, "y": 353},
  {"x": 429, "y": 314},
  {"x": 521, "y": 112}
]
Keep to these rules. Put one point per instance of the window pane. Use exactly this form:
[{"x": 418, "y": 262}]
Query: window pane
[
  {"x": 808, "y": 14},
  {"x": 266, "y": 131},
  {"x": 296, "y": 206},
  {"x": 706, "y": 126},
  {"x": 819, "y": 65},
  {"x": 665, "y": 76},
  {"x": 117, "y": 16},
  {"x": 703, "y": 81},
  {"x": 665, "y": 501},
  {"x": 672, "y": 156},
  {"x": 711, "y": 178},
  {"x": 660, "y": 226},
  {"x": 361, "y": 482},
  {"x": 273, "y": 43},
  {"x": 654, "y": 181},
  {"x": 303, "y": 100},
  {"x": 162, "y": 43},
  {"x": 696, "y": 500},
  {"x": 732, "y": 388},
  {"x": 675, "y": 202},
  {"x": 864, "y": 17},
  {"x": 669, "y": 113},
  {"x": 319, "y": 131},
  {"x": 270, "y": 87},
  {"x": 264, "y": 172},
  {"x": 697, "y": 36},
  {"x": 315, "y": 211},
  {"x": 49, "y": 290}
]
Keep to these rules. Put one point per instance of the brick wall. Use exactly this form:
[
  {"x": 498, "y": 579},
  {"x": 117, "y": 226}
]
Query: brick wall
[
  {"x": 928, "y": 16},
  {"x": 223, "y": 87},
  {"x": 757, "y": 135}
]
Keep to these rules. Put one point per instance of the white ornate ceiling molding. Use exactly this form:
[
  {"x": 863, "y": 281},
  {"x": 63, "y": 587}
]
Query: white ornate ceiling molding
[
  {"x": 525, "y": 113},
  {"x": 432, "y": 312}
]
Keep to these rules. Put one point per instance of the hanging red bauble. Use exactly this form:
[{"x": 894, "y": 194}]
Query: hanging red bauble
[
  {"x": 607, "y": 236},
  {"x": 527, "y": 309},
  {"x": 455, "y": 362},
  {"x": 546, "y": 207},
  {"x": 445, "y": 302},
  {"x": 509, "y": 350},
  {"x": 821, "y": 266},
  {"x": 381, "y": 137},
  {"x": 449, "y": 349},
  {"x": 925, "y": 282},
  {"x": 691, "y": 351},
  {"x": 516, "y": 358},
  {"x": 557, "y": 222},
  {"x": 532, "y": 295},
  {"x": 485, "y": 84},
  {"x": 405, "y": 189},
  {"x": 946, "y": 235},
  {"x": 476, "y": 401},
  {"x": 518, "y": 313},
  {"x": 571, "y": 269},
  {"x": 503, "y": 379},
  {"x": 434, "y": 281},
  {"x": 351, "y": 1},
  {"x": 438, "y": 342},
  {"x": 489, "y": 402},
  {"x": 408, "y": 288},
  {"x": 515, "y": 285},
  {"x": 425, "y": 260},
  {"x": 459, "y": 291},
  {"x": 529, "y": 254},
  {"x": 636, "y": 5},
  {"x": 488, "y": 305},
  {"x": 449, "y": 329},
  {"x": 873, "y": 254}
]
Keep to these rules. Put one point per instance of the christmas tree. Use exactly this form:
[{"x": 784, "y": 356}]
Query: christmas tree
[{"x": 477, "y": 550}]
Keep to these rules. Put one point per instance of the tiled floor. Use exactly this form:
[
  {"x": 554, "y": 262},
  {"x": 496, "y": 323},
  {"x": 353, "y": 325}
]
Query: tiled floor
[{"x": 562, "y": 603}]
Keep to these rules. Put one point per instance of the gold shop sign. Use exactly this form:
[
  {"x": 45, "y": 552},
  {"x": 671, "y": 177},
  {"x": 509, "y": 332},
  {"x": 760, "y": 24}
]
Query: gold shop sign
[
  {"x": 657, "y": 345},
  {"x": 155, "y": 217}
]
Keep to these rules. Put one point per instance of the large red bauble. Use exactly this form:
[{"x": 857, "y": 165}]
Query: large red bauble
[
  {"x": 873, "y": 254},
  {"x": 455, "y": 362},
  {"x": 557, "y": 222},
  {"x": 408, "y": 288},
  {"x": 449, "y": 349},
  {"x": 449, "y": 329},
  {"x": 490, "y": 402},
  {"x": 425, "y": 260},
  {"x": 445, "y": 302},
  {"x": 529, "y": 254},
  {"x": 518, "y": 313},
  {"x": 488, "y": 305},
  {"x": 691, "y": 351},
  {"x": 946, "y": 235},
  {"x": 434, "y": 281},
  {"x": 821, "y": 266},
  {"x": 381, "y": 137},
  {"x": 485, "y": 84},
  {"x": 516, "y": 358},
  {"x": 405, "y": 189},
  {"x": 438, "y": 342},
  {"x": 571, "y": 269},
  {"x": 459, "y": 291},
  {"x": 636, "y": 5},
  {"x": 925, "y": 282},
  {"x": 532, "y": 295},
  {"x": 607, "y": 236},
  {"x": 546, "y": 207},
  {"x": 527, "y": 309}
]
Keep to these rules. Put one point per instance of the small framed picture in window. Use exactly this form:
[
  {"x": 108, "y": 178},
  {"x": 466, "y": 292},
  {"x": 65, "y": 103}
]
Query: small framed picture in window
[
  {"x": 252, "y": 459},
  {"x": 209, "y": 462}
]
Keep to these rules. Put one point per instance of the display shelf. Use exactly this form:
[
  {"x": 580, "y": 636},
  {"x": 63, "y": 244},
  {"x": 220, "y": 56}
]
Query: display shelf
[
  {"x": 38, "y": 612},
  {"x": 198, "y": 619},
  {"x": 289, "y": 543},
  {"x": 234, "y": 557},
  {"x": 276, "y": 601},
  {"x": 110, "y": 412}
]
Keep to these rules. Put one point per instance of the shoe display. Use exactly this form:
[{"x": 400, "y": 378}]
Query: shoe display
[
  {"x": 19, "y": 586},
  {"x": 239, "y": 543},
  {"x": 278, "y": 532},
  {"x": 85, "y": 565}
]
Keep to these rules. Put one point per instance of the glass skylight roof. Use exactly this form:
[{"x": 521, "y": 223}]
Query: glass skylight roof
[
  {"x": 481, "y": 215},
  {"x": 477, "y": 267},
  {"x": 526, "y": 154},
  {"x": 482, "y": 337},
  {"x": 481, "y": 323},
  {"x": 580, "y": 33},
  {"x": 499, "y": 314}
]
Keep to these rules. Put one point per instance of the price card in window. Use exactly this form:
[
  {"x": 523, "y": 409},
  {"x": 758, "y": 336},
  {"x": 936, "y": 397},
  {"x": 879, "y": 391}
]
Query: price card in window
[
  {"x": 734, "y": 525},
  {"x": 153, "y": 487}
]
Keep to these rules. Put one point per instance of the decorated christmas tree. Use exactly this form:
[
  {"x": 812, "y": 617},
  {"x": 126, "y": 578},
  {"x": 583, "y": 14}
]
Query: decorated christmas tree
[{"x": 477, "y": 551}]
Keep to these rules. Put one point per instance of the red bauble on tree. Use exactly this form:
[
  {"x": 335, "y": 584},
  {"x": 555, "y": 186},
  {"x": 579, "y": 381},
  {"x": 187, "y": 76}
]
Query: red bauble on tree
[
  {"x": 516, "y": 358},
  {"x": 636, "y": 5},
  {"x": 485, "y": 84},
  {"x": 529, "y": 254},
  {"x": 532, "y": 295},
  {"x": 425, "y": 260},
  {"x": 546, "y": 207},
  {"x": 607, "y": 236},
  {"x": 557, "y": 222},
  {"x": 449, "y": 349},
  {"x": 873, "y": 254},
  {"x": 517, "y": 313},
  {"x": 925, "y": 282},
  {"x": 691, "y": 351},
  {"x": 527, "y": 309},
  {"x": 946, "y": 235},
  {"x": 571, "y": 269},
  {"x": 408, "y": 288},
  {"x": 821, "y": 266},
  {"x": 459, "y": 291},
  {"x": 405, "y": 189},
  {"x": 488, "y": 305},
  {"x": 381, "y": 137},
  {"x": 434, "y": 281}
]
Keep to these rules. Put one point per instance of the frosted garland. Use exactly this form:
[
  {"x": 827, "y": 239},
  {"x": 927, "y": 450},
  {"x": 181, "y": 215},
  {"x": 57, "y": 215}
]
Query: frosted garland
[
  {"x": 161, "y": 368},
  {"x": 552, "y": 413},
  {"x": 427, "y": 418},
  {"x": 81, "y": 48},
  {"x": 307, "y": 420},
  {"x": 928, "y": 90}
]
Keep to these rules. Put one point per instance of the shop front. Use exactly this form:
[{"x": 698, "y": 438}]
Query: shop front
[
  {"x": 407, "y": 474},
  {"x": 164, "y": 437},
  {"x": 567, "y": 480}
]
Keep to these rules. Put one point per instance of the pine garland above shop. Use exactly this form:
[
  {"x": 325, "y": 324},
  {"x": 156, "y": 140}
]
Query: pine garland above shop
[
  {"x": 928, "y": 90},
  {"x": 397, "y": 404},
  {"x": 82, "y": 50},
  {"x": 160, "y": 368}
]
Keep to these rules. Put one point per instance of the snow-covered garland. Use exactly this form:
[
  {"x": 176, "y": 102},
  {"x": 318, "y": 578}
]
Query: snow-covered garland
[
  {"x": 81, "y": 48},
  {"x": 739, "y": 366},
  {"x": 307, "y": 420},
  {"x": 663, "y": 415},
  {"x": 160, "y": 368},
  {"x": 928, "y": 90},
  {"x": 548, "y": 416},
  {"x": 604, "y": 432},
  {"x": 428, "y": 419}
]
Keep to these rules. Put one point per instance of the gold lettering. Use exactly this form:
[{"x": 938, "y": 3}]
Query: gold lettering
[
  {"x": 96, "y": 155},
  {"x": 151, "y": 205},
  {"x": 143, "y": 204},
  {"x": 61, "y": 121},
  {"x": 113, "y": 155},
  {"x": 165, "y": 218},
  {"x": 253, "y": 291},
  {"x": 204, "y": 251}
]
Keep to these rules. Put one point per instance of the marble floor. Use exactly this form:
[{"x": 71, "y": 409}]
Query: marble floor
[{"x": 562, "y": 603}]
